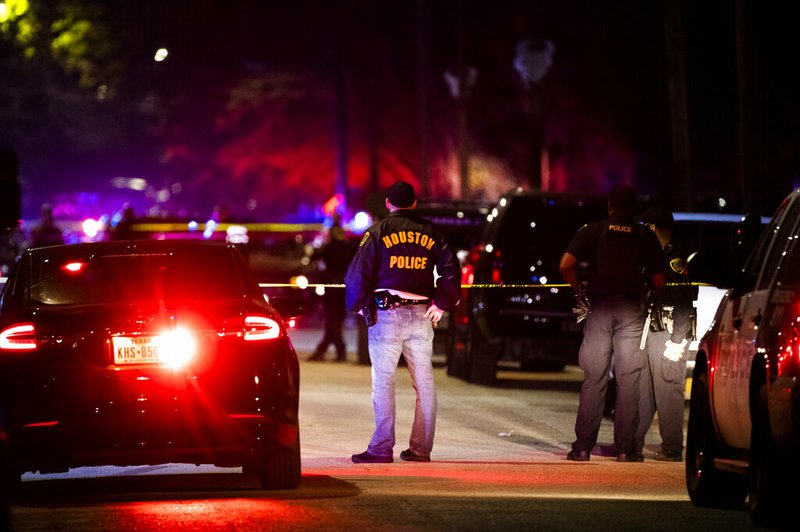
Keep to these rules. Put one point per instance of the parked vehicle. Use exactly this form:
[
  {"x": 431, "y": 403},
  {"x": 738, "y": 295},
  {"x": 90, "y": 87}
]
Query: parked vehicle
[
  {"x": 743, "y": 431},
  {"x": 146, "y": 352}
]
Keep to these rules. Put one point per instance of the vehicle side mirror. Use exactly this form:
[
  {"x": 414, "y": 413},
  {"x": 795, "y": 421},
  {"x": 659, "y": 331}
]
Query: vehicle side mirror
[{"x": 288, "y": 307}]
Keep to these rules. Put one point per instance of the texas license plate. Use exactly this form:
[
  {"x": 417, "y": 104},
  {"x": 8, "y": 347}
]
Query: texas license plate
[{"x": 135, "y": 350}]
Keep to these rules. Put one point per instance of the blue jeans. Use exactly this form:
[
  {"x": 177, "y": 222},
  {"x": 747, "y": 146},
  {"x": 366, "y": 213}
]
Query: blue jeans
[
  {"x": 404, "y": 331},
  {"x": 611, "y": 337}
]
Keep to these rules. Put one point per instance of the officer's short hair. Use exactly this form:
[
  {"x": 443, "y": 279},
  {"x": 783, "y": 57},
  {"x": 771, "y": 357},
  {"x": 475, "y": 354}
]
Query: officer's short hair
[{"x": 622, "y": 199}]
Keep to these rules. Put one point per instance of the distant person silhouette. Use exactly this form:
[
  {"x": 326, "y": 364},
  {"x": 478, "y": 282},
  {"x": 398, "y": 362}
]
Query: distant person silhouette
[
  {"x": 335, "y": 255},
  {"x": 124, "y": 229},
  {"x": 45, "y": 232}
]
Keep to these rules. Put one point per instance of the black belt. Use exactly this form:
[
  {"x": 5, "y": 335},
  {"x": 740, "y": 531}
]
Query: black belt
[{"x": 385, "y": 300}]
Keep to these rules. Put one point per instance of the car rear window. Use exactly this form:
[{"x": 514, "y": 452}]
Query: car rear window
[{"x": 135, "y": 278}]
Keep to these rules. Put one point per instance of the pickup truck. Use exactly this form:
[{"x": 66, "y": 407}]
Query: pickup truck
[{"x": 744, "y": 411}]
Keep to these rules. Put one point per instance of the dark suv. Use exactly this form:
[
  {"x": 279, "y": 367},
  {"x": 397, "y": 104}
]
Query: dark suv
[{"x": 528, "y": 322}]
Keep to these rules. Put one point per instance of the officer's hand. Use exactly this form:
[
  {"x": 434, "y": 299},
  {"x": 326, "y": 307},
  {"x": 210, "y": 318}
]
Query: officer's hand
[
  {"x": 434, "y": 313},
  {"x": 674, "y": 350}
]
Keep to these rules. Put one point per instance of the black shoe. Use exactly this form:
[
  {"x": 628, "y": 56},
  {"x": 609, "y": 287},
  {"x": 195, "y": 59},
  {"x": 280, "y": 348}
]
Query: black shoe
[
  {"x": 410, "y": 456},
  {"x": 608, "y": 450},
  {"x": 316, "y": 357},
  {"x": 669, "y": 456},
  {"x": 368, "y": 458},
  {"x": 578, "y": 456},
  {"x": 630, "y": 457}
]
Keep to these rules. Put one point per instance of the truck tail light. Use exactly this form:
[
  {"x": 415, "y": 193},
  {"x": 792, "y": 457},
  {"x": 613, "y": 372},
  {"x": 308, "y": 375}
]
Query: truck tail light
[
  {"x": 20, "y": 337},
  {"x": 467, "y": 274}
]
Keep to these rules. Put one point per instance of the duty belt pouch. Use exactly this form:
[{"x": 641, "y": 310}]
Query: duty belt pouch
[
  {"x": 370, "y": 312},
  {"x": 382, "y": 300}
]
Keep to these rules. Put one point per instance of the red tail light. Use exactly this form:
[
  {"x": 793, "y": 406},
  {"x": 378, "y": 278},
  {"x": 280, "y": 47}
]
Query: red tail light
[
  {"x": 21, "y": 337},
  {"x": 467, "y": 274},
  {"x": 261, "y": 328},
  {"x": 497, "y": 277},
  {"x": 497, "y": 267}
]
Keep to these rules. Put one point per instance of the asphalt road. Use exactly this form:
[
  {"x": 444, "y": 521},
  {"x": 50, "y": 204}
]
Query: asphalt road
[{"x": 498, "y": 464}]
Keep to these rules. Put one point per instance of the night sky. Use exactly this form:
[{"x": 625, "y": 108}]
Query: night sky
[{"x": 251, "y": 105}]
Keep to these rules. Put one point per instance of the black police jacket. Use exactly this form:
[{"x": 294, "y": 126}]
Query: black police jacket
[
  {"x": 622, "y": 256},
  {"x": 400, "y": 253}
]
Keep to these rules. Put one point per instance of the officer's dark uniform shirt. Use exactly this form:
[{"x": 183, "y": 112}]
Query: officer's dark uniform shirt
[
  {"x": 678, "y": 293},
  {"x": 400, "y": 253},
  {"x": 621, "y": 254}
]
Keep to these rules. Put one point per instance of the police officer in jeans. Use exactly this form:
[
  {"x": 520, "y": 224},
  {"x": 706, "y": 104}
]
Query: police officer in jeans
[
  {"x": 391, "y": 282},
  {"x": 671, "y": 326},
  {"x": 623, "y": 258}
]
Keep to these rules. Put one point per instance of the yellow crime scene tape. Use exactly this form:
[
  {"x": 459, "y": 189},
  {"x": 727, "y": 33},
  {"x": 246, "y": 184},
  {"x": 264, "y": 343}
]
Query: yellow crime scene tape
[{"x": 558, "y": 285}]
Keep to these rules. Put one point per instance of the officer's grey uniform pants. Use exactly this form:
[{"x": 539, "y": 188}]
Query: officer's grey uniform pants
[
  {"x": 611, "y": 335},
  {"x": 663, "y": 384}
]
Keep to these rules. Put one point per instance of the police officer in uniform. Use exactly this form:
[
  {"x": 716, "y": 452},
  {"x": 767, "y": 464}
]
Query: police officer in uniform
[
  {"x": 623, "y": 257},
  {"x": 391, "y": 282},
  {"x": 671, "y": 326}
]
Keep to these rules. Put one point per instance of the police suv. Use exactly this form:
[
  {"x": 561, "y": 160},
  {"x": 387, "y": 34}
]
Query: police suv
[{"x": 744, "y": 420}]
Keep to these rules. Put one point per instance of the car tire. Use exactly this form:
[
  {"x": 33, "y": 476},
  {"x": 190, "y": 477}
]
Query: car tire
[
  {"x": 482, "y": 352},
  {"x": 275, "y": 470},
  {"x": 473, "y": 356},
  {"x": 10, "y": 479},
  {"x": 708, "y": 486},
  {"x": 767, "y": 501}
]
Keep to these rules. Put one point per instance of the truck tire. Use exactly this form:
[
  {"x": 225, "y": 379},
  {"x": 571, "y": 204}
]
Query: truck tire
[
  {"x": 707, "y": 486},
  {"x": 482, "y": 353},
  {"x": 769, "y": 504},
  {"x": 472, "y": 356}
]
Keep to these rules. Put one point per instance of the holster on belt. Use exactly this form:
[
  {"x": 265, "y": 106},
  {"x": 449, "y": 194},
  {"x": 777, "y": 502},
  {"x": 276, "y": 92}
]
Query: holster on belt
[{"x": 370, "y": 312}]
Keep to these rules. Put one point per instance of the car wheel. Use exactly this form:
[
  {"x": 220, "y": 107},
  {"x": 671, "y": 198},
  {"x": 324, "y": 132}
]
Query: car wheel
[
  {"x": 473, "y": 356},
  {"x": 768, "y": 503},
  {"x": 10, "y": 479},
  {"x": 708, "y": 486},
  {"x": 275, "y": 470}
]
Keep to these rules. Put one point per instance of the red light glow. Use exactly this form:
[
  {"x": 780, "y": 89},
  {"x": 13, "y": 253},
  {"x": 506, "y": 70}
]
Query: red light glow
[
  {"x": 789, "y": 346},
  {"x": 18, "y": 338},
  {"x": 41, "y": 424},
  {"x": 177, "y": 348},
  {"x": 74, "y": 267}
]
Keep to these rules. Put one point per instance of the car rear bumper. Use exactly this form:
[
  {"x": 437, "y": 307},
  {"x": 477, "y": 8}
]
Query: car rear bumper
[{"x": 222, "y": 440}]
